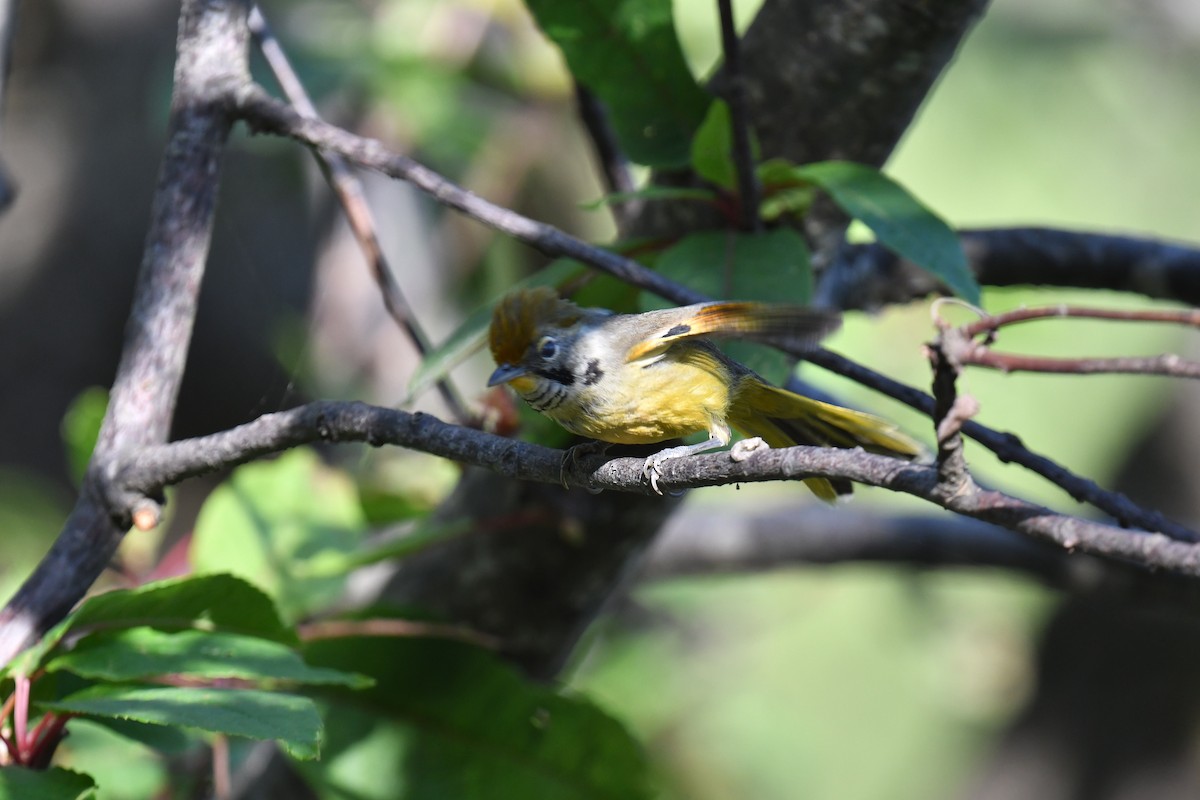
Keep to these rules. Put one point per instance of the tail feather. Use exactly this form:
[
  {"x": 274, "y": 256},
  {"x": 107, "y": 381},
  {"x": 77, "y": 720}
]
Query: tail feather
[{"x": 783, "y": 418}]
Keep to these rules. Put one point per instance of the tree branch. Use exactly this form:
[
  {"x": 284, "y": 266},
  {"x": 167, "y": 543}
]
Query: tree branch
[
  {"x": 869, "y": 276},
  {"x": 707, "y": 540},
  {"x": 353, "y": 200},
  {"x": 734, "y": 84},
  {"x": 212, "y": 50},
  {"x": 358, "y": 422}
]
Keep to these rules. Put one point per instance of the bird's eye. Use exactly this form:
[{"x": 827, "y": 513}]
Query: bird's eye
[{"x": 547, "y": 347}]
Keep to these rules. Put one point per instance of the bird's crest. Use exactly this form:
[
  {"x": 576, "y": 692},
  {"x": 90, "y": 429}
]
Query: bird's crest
[{"x": 520, "y": 316}]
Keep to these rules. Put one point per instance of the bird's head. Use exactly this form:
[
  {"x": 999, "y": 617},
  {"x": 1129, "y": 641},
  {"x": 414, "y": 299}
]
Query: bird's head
[{"x": 529, "y": 334}]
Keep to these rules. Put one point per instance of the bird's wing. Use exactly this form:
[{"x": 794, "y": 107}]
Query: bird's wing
[{"x": 791, "y": 326}]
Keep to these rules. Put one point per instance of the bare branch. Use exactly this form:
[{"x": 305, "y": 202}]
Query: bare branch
[
  {"x": 706, "y": 540},
  {"x": 212, "y": 49},
  {"x": 353, "y": 200},
  {"x": 870, "y": 276},
  {"x": 359, "y": 422},
  {"x": 1009, "y": 448},
  {"x": 963, "y": 347},
  {"x": 734, "y": 85}
]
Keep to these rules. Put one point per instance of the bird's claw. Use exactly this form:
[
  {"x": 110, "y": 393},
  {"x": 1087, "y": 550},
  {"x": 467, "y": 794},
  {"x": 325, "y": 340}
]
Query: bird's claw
[{"x": 574, "y": 453}]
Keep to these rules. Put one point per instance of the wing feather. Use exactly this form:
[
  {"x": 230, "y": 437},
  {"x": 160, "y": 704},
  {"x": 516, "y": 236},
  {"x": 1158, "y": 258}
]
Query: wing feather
[{"x": 789, "y": 326}]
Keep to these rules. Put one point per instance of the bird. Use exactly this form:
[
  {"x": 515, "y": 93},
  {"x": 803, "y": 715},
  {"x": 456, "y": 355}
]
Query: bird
[{"x": 649, "y": 377}]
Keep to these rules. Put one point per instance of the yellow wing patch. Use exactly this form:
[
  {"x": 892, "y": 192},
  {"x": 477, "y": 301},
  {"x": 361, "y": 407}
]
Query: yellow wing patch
[{"x": 780, "y": 324}]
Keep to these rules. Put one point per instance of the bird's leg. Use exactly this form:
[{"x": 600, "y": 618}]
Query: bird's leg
[
  {"x": 594, "y": 447},
  {"x": 719, "y": 436}
]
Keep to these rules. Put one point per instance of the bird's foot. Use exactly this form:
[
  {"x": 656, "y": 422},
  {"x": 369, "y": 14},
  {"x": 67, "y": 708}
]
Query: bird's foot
[{"x": 571, "y": 458}]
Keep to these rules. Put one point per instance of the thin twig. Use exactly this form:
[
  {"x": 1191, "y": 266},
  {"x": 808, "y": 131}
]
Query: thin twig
[
  {"x": 263, "y": 113},
  {"x": 739, "y": 121},
  {"x": 343, "y": 628},
  {"x": 350, "y": 194},
  {"x": 8, "y": 30},
  {"x": 1168, "y": 364},
  {"x": 963, "y": 346},
  {"x": 1010, "y": 449},
  {"x": 994, "y": 322}
]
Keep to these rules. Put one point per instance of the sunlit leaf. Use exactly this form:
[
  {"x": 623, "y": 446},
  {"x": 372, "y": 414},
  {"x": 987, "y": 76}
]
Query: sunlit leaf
[
  {"x": 140, "y": 653},
  {"x": 251, "y": 713},
  {"x": 221, "y": 602},
  {"x": 627, "y": 53},
  {"x": 81, "y": 428},
  {"x": 271, "y": 520},
  {"x": 17, "y": 783},
  {"x": 900, "y": 221}
]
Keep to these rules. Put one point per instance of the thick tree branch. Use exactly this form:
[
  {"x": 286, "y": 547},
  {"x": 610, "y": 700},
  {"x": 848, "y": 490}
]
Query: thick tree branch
[
  {"x": 706, "y": 540},
  {"x": 211, "y": 60},
  {"x": 869, "y": 276},
  {"x": 359, "y": 422}
]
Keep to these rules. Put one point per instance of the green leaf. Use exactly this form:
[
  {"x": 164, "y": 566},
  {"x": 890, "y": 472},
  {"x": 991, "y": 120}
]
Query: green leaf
[
  {"x": 651, "y": 193},
  {"x": 900, "y": 221},
  {"x": 472, "y": 333},
  {"x": 712, "y": 147},
  {"x": 81, "y": 428},
  {"x": 251, "y": 713},
  {"x": 271, "y": 521},
  {"x": 462, "y": 724},
  {"x": 140, "y": 653},
  {"x": 223, "y": 602},
  {"x": 769, "y": 267},
  {"x": 56, "y": 783},
  {"x": 626, "y": 51}
]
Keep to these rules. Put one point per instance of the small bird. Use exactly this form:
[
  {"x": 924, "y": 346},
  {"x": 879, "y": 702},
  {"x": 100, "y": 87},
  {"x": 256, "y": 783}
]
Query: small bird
[{"x": 647, "y": 378}]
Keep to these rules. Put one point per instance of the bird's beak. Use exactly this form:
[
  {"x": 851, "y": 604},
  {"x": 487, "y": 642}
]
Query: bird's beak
[{"x": 507, "y": 372}]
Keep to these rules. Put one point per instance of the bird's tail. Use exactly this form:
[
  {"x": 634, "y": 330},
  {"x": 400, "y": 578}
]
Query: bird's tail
[{"x": 783, "y": 418}]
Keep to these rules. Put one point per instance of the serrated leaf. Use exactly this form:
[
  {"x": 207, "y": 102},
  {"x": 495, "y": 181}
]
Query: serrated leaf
[
  {"x": 900, "y": 221},
  {"x": 56, "y": 783},
  {"x": 141, "y": 653},
  {"x": 219, "y": 601},
  {"x": 472, "y": 333},
  {"x": 463, "y": 721},
  {"x": 271, "y": 520},
  {"x": 291, "y": 720},
  {"x": 769, "y": 267},
  {"x": 627, "y": 53}
]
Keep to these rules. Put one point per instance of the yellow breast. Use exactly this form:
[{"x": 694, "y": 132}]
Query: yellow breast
[{"x": 682, "y": 392}]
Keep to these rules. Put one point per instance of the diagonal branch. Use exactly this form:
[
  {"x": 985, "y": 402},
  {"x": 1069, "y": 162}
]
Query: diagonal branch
[
  {"x": 212, "y": 49},
  {"x": 350, "y": 194}
]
